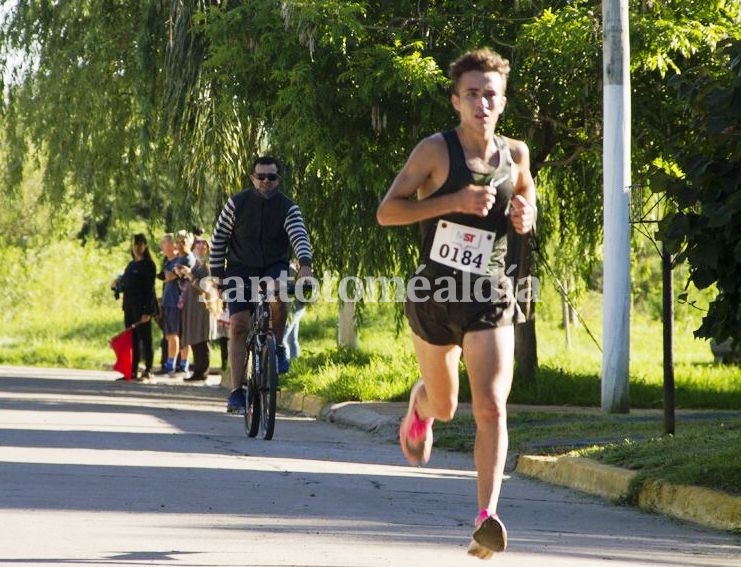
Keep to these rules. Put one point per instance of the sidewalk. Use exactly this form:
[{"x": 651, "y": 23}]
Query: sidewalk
[{"x": 706, "y": 507}]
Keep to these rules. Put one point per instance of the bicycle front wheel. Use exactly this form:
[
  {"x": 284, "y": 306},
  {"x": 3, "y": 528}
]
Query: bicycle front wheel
[
  {"x": 268, "y": 388},
  {"x": 251, "y": 394}
]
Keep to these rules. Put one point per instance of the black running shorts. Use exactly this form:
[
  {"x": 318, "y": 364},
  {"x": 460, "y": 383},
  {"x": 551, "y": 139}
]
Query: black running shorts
[{"x": 444, "y": 318}]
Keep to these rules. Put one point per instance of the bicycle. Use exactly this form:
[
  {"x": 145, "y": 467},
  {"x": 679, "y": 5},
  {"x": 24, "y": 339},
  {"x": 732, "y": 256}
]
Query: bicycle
[{"x": 260, "y": 381}]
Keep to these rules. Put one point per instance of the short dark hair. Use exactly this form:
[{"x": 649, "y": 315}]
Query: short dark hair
[
  {"x": 266, "y": 160},
  {"x": 484, "y": 60}
]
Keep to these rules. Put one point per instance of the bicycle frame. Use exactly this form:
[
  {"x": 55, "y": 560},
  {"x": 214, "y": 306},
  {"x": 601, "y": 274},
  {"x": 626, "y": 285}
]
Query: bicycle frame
[{"x": 261, "y": 371}]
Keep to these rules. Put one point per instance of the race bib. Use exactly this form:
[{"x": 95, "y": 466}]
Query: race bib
[{"x": 462, "y": 247}]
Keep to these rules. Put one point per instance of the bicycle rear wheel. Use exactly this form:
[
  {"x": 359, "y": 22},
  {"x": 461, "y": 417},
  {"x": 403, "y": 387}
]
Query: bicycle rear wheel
[
  {"x": 252, "y": 394},
  {"x": 268, "y": 388}
]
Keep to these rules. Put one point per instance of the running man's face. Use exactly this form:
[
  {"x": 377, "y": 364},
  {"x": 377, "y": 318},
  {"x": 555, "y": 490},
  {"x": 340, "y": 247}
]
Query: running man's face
[
  {"x": 480, "y": 99},
  {"x": 265, "y": 177}
]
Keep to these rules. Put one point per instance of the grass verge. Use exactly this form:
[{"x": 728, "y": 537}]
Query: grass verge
[{"x": 705, "y": 451}]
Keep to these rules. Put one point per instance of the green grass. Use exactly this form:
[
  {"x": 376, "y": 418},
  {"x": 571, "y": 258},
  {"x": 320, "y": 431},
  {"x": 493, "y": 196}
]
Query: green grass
[
  {"x": 67, "y": 317},
  {"x": 383, "y": 368},
  {"x": 705, "y": 451}
]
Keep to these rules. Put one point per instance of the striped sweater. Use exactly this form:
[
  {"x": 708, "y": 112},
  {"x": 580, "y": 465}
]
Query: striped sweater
[{"x": 255, "y": 231}]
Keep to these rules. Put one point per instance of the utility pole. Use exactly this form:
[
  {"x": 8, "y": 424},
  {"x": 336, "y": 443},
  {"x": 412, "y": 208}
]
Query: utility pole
[{"x": 616, "y": 193}]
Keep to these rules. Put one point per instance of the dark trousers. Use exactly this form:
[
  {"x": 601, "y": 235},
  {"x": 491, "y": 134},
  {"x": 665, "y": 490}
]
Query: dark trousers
[
  {"x": 141, "y": 341},
  {"x": 201, "y": 358},
  {"x": 224, "y": 346}
]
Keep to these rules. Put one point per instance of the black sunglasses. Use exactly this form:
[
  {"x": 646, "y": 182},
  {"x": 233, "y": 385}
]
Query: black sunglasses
[{"x": 268, "y": 176}]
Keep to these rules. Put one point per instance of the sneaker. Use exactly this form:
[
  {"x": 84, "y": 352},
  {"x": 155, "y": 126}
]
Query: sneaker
[
  {"x": 146, "y": 375},
  {"x": 283, "y": 363},
  {"x": 236, "y": 402},
  {"x": 415, "y": 434},
  {"x": 489, "y": 536}
]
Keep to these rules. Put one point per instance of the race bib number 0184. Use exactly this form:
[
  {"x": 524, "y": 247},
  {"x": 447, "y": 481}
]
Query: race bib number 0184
[{"x": 462, "y": 247}]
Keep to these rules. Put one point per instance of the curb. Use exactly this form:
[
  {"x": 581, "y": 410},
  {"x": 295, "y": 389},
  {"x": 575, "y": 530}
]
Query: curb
[
  {"x": 704, "y": 506},
  {"x": 346, "y": 413},
  {"x": 582, "y": 474},
  {"x": 352, "y": 414},
  {"x": 300, "y": 403}
]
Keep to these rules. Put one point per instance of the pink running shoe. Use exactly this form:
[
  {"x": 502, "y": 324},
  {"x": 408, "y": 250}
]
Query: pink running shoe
[
  {"x": 415, "y": 434},
  {"x": 489, "y": 535}
]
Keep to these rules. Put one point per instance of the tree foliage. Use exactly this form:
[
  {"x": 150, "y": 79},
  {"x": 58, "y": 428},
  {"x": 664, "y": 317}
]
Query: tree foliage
[
  {"x": 86, "y": 102},
  {"x": 154, "y": 109},
  {"x": 560, "y": 82},
  {"x": 705, "y": 230}
]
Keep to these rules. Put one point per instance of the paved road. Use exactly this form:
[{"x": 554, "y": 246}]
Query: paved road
[{"x": 99, "y": 472}]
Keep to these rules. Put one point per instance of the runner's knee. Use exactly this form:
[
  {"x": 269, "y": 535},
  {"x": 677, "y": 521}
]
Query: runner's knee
[
  {"x": 443, "y": 409},
  {"x": 489, "y": 409}
]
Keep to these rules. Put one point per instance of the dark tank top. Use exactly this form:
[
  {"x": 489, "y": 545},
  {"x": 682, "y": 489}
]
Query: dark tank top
[{"x": 459, "y": 175}]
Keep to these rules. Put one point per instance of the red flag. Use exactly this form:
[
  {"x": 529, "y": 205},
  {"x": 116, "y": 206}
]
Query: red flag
[{"x": 123, "y": 344}]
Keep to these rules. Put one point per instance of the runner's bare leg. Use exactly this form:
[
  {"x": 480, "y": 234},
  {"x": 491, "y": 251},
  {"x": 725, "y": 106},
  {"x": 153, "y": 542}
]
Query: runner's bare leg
[
  {"x": 439, "y": 369},
  {"x": 489, "y": 358}
]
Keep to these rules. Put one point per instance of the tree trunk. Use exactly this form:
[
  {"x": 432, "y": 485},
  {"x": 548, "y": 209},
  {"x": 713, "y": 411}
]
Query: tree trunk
[
  {"x": 573, "y": 317},
  {"x": 527, "y": 291},
  {"x": 566, "y": 316},
  {"x": 347, "y": 335},
  {"x": 526, "y": 350}
]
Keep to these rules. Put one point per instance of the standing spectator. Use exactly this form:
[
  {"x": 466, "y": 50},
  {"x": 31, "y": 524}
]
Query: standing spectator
[
  {"x": 167, "y": 249},
  {"x": 198, "y": 319},
  {"x": 139, "y": 304},
  {"x": 185, "y": 258},
  {"x": 170, "y": 299}
]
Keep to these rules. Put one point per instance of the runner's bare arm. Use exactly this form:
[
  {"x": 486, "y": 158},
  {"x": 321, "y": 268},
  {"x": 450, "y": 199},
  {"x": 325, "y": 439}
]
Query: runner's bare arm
[
  {"x": 524, "y": 209},
  {"x": 398, "y": 206},
  {"x": 424, "y": 173}
]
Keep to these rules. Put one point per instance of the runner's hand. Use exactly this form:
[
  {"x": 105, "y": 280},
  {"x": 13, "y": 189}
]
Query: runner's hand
[
  {"x": 477, "y": 199},
  {"x": 522, "y": 215}
]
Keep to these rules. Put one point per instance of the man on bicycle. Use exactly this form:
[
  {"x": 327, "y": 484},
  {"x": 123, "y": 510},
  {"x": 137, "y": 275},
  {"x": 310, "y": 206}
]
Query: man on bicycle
[{"x": 252, "y": 239}]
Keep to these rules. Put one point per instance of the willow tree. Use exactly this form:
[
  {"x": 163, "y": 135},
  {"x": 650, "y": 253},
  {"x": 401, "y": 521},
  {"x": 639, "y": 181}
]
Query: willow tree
[
  {"x": 84, "y": 99},
  {"x": 342, "y": 92}
]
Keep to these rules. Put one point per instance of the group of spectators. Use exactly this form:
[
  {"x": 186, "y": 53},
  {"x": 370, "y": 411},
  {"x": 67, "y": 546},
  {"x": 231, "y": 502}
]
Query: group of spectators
[
  {"x": 252, "y": 238},
  {"x": 190, "y": 316}
]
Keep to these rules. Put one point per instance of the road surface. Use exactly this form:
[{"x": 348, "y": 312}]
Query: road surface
[{"x": 101, "y": 472}]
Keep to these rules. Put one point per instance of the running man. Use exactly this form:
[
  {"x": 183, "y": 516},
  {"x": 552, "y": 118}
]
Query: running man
[{"x": 469, "y": 183}]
